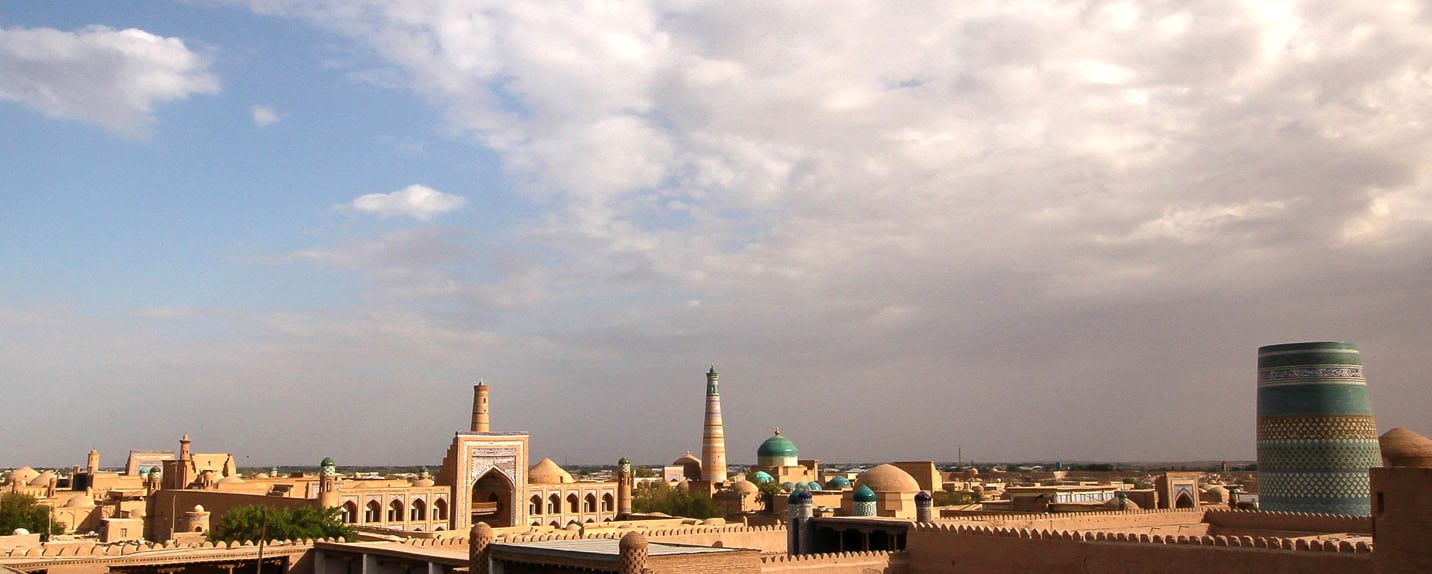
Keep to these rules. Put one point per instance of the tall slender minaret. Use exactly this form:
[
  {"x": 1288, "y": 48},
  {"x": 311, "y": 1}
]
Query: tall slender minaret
[
  {"x": 624, "y": 480},
  {"x": 713, "y": 440},
  {"x": 479, "y": 408}
]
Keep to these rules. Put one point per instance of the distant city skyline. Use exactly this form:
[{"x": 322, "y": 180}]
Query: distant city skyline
[{"x": 1044, "y": 231}]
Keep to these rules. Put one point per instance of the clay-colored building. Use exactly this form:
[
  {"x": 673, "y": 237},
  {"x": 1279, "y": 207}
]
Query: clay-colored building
[{"x": 485, "y": 477}]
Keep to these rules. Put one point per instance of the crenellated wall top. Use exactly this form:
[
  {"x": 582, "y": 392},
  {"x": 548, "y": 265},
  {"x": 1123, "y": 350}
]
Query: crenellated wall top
[{"x": 1268, "y": 543}]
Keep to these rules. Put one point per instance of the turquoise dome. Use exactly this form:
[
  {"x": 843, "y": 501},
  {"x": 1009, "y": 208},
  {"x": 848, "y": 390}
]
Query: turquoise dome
[
  {"x": 777, "y": 447},
  {"x": 327, "y": 461},
  {"x": 788, "y": 485},
  {"x": 838, "y": 482},
  {"x": 814, "y": 485},
  {"x": 762, "y": 477},
  {"x": 864, "y": 494}
]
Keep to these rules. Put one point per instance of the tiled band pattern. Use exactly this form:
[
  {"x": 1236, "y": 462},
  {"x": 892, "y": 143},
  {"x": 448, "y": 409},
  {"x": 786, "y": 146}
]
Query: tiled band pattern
[{"x": 1316, "y": 433}]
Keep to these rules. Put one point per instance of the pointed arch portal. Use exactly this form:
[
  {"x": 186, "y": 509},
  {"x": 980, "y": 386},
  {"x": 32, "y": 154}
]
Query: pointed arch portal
[{"x": 492, "y": 499}]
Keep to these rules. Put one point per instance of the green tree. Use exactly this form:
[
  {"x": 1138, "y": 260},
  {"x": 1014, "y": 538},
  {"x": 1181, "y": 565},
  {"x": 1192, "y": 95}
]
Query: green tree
[
  {"x": 24, "y": 511},
  {"x": 953, "y": 498},
  {"x": 248, "y": 523},
  {"x": 767, "y": 493},
  {"x": 661, "y": 497}
]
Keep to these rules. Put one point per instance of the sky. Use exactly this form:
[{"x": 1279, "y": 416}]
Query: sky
[{"x": 1011, "y": 231}]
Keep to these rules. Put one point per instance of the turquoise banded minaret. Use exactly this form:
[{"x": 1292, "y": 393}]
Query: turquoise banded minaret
[
  {"x": 713, "y": 437},
  {"x": 1316, "y": 435}
]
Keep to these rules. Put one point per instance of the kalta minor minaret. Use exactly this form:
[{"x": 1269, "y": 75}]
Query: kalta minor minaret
[{"x": 713, "y": 440}]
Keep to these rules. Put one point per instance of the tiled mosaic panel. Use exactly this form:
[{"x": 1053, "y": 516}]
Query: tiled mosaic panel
[
  {"x": 1323, "y": 427},
  {"x": 1301, "y": 492},
  {"x": 1355, "y": 506},
  {"x": 1305, "y": 375},
  {"x": 1317, "y": 456}
]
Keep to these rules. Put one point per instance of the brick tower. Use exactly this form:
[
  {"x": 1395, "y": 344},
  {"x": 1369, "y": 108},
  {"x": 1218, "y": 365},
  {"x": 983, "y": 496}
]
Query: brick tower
[
  {"x": 480, "y": 421},
  {"x": 713, "y": 439}
]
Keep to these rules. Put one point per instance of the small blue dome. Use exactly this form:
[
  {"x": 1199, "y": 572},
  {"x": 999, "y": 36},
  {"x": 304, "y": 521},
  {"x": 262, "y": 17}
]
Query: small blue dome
[
  {"x": 788, "y": 485},
  {"x": 762, "y": 477},
  {"x": 813, "y": 485},
  {"x": 838, "y": 482},
  {"x": 799, "y": 497},
  {"x": 864, "y": 494},
  {"x": 923, "y": 497}
]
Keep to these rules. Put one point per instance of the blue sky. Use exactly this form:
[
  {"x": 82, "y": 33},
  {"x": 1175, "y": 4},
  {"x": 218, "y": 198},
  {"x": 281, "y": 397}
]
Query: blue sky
[{"x": 1042, "y": 230}]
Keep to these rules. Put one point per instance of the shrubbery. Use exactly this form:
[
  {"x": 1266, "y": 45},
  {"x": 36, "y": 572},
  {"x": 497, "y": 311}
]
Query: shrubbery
[
  {"x": 661, "y": 497},
  {"x": 248, "y": 523},
  {"x": 23, "y": 511}
]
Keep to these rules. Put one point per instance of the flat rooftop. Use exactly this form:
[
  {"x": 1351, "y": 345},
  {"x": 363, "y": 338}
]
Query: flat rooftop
[{"x": 600, "y": 548}]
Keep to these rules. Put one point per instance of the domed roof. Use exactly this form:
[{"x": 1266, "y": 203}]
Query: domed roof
[
  {"x": 813, "y": 485},
  {"x": 923, "y": 496},
  {"x": 777, "y": 446},
  {"x": 1217, "y": 493},
  {"x": 762, "y": 477},
  {"x": 744, "y": 487},
  {"x": 1402, "y": 447},
  {"x": 79, "y": 501},
  {"x": 799, "y": 497},
  {"x": 632, "y": 540},
  {"x": 888, "y": 478},
  {"x": 425, "y": 478},
  {"x": 547, "y": 472},
  {"x": 42, "y": 479},
  {"x": 198, "y": 508},
  {"x": 788, "y": 485},
  {"x": 1113, "y": 504},
  {"x": 23, "y": 475},
  {"x": 687, "y": 459},
  {"x": 231, "y": 479},
  {"x": 20, "y": 532},
  {"x": 327, "y": 461},
  {"x": 864, "y": 494},
  {"x": 838, "y": 482}
]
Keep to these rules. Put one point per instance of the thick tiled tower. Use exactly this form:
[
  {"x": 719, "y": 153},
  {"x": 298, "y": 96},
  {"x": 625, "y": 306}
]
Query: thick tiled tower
[
  {"x": 1316, "y": 435},
  {"x": 713, "y": 439}
]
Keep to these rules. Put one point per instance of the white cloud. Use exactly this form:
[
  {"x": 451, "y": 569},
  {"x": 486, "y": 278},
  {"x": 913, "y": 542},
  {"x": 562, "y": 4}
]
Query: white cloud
[
  {"x": 1200, "y": 223},
  {"x": 112, "y": 78},
  {"x": 264, "y": 116},
  {"x": 416, "y": 201},
  {"x": 950, "y": 193}
]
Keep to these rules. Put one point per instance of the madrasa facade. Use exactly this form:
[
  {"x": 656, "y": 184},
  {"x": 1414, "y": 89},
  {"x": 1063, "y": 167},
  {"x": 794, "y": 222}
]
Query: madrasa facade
[{"x": 485, "y": 476}]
